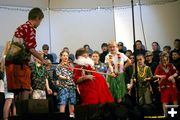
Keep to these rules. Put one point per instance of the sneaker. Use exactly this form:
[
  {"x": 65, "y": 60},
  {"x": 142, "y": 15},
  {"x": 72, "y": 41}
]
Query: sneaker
[{"x": 72, "y": 115}]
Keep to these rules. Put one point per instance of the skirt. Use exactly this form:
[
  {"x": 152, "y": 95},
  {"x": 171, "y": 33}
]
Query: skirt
[{"x": 117, "y": 85}]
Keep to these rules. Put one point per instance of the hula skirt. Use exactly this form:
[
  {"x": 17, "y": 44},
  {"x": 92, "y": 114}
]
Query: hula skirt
[{"x": 117, "y": 85}]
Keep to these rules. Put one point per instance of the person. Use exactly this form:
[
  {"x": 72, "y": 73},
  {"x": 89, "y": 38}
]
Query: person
[
  {"x": 117, "y": 63},
  {"x": 128, "y": 53},
  {"x": 39, "y": 80},
  {"x": 152, "y": 64},
  {"x": 121, "y": 47},
  {"x": 87, "y": 47},
  {"x": 176, "y": 47},
  {"x": 9, "y": 96},
  {"x": 52, "y": 77},
  {"x": 71, "y": 56},
  {"x": 167, "y": 49},
  {"x": 99, "y": 66},
  {"x": 104, "y": 48},
  {"x": 166, "y": 72},
  {"x": 46, "y": 55},
  {"x": 22, "y": 46},
  {"x": 156, "y": 51},
  {"x": 144, "y": 76},
  {"x": 92, "y": 85},
  {"x": 139, "y": 48},
  {"x": 66, "y": 86},
  {"x": 2, "y": 98}
]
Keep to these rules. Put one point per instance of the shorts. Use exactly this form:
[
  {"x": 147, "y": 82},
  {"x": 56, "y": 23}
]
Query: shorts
[
  {"x": 18, "y": 77},
  {"x": 39, "y": 94},
  {"x": 66, "y": 96},
  {"x": 9, "y": 95},
  {"x": 169, "y": 94}
]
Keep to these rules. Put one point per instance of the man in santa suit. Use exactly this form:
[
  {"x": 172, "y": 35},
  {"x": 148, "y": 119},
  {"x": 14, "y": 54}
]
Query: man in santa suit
[{"x": 92, "y": 85}]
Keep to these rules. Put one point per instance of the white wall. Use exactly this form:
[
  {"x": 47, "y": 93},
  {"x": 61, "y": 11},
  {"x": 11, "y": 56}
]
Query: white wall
[
  {"x": 161, "y": 24},
  {"x": 74, "y": 29},
  {"x": 12, "y": 18}
]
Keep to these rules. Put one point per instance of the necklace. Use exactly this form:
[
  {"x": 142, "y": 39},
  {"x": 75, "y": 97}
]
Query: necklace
[
  {"x": 141, "y": 73},
  {"x": 39, "y": 70},
  {"x": 166, "y": 69}
]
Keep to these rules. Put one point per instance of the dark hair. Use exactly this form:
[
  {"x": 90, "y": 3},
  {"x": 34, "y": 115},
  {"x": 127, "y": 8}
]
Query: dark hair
[
  {"x": 104, "y": 45},
  {"x": 96, "y": 52},
  {"x": 35, "y": 13},
  {"x": 45, "y": 46},
  {"x": 86, "y": 46},
  {"x": 61, "y": 53},
  {"x": 80, "y": 52},
  {"x": 157, "y": 45},
  {"x": 140, "y": 55},
  {"x": 167, "y": 47},
  {"x": 129, "y": 51},
  {"x": 120, "y": 43},
  {"x": 177, "y": 40},
  {"x": 175, "y": 51},
  {"x": 138, "y": 41}
]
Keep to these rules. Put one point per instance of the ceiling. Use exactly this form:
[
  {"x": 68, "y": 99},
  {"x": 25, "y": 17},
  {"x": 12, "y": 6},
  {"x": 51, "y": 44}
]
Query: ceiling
[{"x": 58, "y": 4}]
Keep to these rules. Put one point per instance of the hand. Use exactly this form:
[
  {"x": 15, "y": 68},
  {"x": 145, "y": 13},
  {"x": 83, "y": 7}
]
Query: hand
[
  {"x": 67, "y": 78},
  {"x": 57, "y": 82},
  {"x": 113, "y": 74},
  {"x": 161, "y": 76},
  {"x": 49, "y": 91},
  {"x": 129, "y": 86},
  {"x": 45, "y": 62},
  {"x": 171, "y": 78},
  {"x": 89, "y": 77}
]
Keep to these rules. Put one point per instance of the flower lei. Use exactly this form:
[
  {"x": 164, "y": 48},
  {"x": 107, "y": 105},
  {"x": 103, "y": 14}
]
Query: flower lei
[
  {"x": 140, "y": 74},
  {"x": 42, "y": 70},
  {"x": 112, "y": 65}
]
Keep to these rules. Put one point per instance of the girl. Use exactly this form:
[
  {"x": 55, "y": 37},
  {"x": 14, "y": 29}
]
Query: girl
[
  {"x": 66, "y": 85},
  {"x": 166, "y": 72},
  {"x": 117, "y": 62}
]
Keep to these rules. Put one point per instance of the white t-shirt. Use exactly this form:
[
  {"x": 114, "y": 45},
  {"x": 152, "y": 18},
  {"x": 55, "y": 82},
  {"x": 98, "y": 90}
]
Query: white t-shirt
[{"x": 116, "y": 60}]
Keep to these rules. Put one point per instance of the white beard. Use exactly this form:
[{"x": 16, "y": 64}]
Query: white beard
[{"x": 84, "y": 61}]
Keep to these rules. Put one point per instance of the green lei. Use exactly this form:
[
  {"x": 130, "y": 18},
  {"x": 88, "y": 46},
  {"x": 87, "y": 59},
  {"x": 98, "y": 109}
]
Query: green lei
[{"x": 42, "y": 70}]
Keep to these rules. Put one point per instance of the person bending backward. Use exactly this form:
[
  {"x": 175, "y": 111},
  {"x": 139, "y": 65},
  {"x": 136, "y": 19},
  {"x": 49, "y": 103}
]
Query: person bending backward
[
  {"x": 117, "y": 62},
  {"x": 92, "y": 85},
  {"x": 166, "y": 72},
  {"x": 17, "y": 59}
]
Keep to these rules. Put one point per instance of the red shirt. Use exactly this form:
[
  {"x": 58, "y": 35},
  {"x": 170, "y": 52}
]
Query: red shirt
[
  {"x": 28, "y": 33},
  {"x": 161, "y": 71}
]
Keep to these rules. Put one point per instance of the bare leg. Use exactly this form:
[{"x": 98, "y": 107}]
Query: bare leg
[
  {"x": 71, "y": 111},
  {"x": 6, "y": 108},
  {"x": 119, "y": 100},
  {"x": 62, "y": 108},
  {"x": 164, "y": 107}
]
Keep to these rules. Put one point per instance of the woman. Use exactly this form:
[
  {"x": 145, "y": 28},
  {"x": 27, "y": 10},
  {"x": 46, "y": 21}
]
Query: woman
[
  {"x": 117, "y": 63},
  {"x": 92, "y": 85},
  {"x": 166, "y": 72}
]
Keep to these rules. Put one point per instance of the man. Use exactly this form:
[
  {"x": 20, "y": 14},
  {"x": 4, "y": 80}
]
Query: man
[
  {"x": 17, "y": 59},
  {"x": 139, "y": 48},
  {"x": 156, "y": 51},
  {"x": 46, "y": 55}
]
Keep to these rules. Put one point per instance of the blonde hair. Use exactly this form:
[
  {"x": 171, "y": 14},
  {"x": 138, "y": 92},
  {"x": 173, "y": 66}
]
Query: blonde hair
[{"x": 112, "y": 42}]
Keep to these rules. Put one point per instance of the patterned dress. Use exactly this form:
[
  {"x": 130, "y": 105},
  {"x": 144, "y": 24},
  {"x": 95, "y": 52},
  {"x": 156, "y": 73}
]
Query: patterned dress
[
  {"x": 101, "y": 67},
  {"x": 144, "y": 86},
  {"x": 117, "y": 84}
]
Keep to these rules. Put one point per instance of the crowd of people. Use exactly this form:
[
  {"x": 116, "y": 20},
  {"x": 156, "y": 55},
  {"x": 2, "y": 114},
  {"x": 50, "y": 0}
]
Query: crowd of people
[{"x": 88, "y": 77}]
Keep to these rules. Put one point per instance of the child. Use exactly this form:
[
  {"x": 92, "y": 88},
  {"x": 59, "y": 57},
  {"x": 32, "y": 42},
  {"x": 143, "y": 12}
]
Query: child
[
  {"x": 39, "y": 80},
  {"x": 66, "y": 85},
  {"x": 117, "y": 63},
  {"x": 166, "y": 72},
  {"x": 144, "y": 76}
]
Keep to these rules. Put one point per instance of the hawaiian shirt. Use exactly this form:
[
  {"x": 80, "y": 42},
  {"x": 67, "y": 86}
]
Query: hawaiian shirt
[
  {"x": 66, "y": 71},
  {"x": 38, "y": 77}
]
